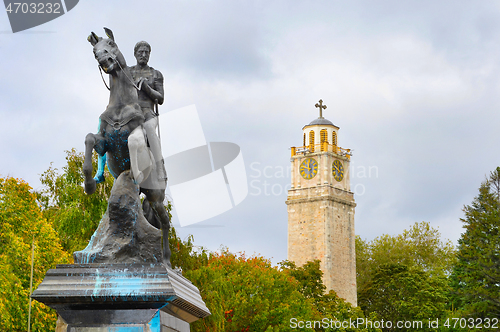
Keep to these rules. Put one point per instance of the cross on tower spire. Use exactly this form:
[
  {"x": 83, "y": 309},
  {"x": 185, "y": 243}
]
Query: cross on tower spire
[{"x": 321, "y": 108}]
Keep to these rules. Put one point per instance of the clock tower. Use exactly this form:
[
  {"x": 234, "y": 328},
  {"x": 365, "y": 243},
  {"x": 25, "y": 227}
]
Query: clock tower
[{"x": 321, "y": 207}]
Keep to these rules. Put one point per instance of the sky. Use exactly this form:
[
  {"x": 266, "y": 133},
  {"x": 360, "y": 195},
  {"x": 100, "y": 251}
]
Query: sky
[{"x": 413, "y": 86}]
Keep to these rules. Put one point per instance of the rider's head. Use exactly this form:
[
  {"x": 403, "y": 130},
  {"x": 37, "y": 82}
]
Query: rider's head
[{"x": 141, "y": 52}]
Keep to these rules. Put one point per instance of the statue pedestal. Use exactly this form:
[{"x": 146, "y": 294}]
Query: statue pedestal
[{"x": 120, "y": 297}]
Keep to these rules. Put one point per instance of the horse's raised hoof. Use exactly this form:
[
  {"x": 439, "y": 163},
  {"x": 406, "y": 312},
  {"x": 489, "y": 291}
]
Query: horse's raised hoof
[{"x": 90, "y": 186}]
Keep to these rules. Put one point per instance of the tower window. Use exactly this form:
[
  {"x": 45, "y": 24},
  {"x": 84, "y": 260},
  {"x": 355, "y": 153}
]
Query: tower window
[
  {"x": 304, "y": 140},
  {"x": 311, "y": 140},
  {"x": 334, "y": 138},
  {"x": 323, "y": 135}
]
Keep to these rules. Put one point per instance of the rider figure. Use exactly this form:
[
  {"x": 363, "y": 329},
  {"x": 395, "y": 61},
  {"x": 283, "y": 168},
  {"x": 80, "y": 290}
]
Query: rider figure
[{"x": 150, "y": 82}]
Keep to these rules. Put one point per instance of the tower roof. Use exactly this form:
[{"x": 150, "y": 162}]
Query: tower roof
[{"x": 321, "y": 120}]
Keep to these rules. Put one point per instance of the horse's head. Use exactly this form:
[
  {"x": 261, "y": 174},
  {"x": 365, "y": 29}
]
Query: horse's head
[{"x": 107, "y": 52}]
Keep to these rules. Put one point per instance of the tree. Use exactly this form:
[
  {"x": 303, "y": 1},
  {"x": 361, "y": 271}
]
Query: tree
[
  {"x": 309, "y": 277},
  {"x": 21, "y": 223},
  {"x": 329, "y": 306},
  {"x": 476, "y": 276},
  {"x": 185, "y": 255},
  {"x": 247, "y": 294},
  {"x": 420, "y": 246},
  {"x": 74, "y": 214},
  {"x": 401, "y": 293},
  {"x": 404, "y": 275}
]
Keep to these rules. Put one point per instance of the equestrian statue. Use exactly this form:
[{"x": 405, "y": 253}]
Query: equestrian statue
[{"x": 121, "y": 140}]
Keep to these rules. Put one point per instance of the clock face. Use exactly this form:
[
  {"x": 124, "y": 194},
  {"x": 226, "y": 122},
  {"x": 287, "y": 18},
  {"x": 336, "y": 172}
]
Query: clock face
[
  {"x": 338, "y": 170},
  {"x": 308, "y": 168}
]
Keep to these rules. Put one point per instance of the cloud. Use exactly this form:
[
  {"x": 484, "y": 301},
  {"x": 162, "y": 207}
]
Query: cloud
[{"x": 412, "y": 84}]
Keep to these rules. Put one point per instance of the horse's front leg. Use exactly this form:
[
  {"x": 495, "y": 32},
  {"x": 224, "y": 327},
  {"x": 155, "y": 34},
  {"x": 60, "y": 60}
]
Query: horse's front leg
[
  {"x": 101, "y": 164},
  {"x": 90, "y": 183},
  {"x": 101, "y": 161}
]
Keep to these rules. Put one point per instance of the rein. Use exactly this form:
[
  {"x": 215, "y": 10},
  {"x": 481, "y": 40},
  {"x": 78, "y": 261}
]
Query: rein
[
  {"x": 137, "y": 88},
  {"x": 100, "y": 70},
  {"x": 128, "y": 78}
]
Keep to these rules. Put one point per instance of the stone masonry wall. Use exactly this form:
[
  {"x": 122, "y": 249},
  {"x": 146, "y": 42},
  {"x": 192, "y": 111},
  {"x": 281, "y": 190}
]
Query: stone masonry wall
[{"x": 321, "y": 226}]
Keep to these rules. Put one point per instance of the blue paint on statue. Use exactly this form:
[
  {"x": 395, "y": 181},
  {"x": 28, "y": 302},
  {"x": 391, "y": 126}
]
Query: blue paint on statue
[
  {"x": 113, "y": 143},
  {"x": 88, "y": 256},
  {"x": 155, "y": 323},
  {"x": 98, "y": 284},
  {"x": 101, "y": 163},
  {"x": 114, "y": 140},
  {"x": 127, "y": 329}
]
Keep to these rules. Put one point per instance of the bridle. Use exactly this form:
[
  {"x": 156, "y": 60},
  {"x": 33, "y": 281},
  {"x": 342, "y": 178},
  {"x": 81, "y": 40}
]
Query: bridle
[
  {"x": 113, "y": 57},
  {"x": 138, "y": 88}
]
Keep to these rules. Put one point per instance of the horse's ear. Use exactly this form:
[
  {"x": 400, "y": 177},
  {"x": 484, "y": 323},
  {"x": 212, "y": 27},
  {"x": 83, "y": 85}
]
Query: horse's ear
[
  {"x": 109, "y": 33},
  {"x": 93, "y": 39}
]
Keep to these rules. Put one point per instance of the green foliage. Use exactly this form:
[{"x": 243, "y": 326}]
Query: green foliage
[
  {"x": 309, "y": 277},
  {"x": 247, "y": 294},
  {"x": 185, "y": 255},
  {"x": 21, "y": 223},
  {"x": 74, "y": 214},
  {"x": 476, "y": 277},
  {"x": 335, "y": 308},
  {"x": 405, "y": 276},
  {"x": 329, "y": 306},
  {"x": 400, "y": 277},
  {"x": 421, "y": 247},
  {"x": 401, "y": 293}
]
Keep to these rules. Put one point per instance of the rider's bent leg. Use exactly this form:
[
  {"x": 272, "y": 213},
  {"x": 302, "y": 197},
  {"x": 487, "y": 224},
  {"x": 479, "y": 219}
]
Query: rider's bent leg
[
  {"x": 136, "y": 142},
  {"x": 154, "y": 144}
]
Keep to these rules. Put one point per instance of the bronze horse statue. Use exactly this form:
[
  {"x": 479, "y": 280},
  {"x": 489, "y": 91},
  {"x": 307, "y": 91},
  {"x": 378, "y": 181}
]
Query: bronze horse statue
[{"x": 121, "y": 137}]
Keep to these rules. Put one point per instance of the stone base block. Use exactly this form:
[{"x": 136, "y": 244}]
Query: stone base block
[
  {"x": 120, "y": 298},
  {"x": 160, "y": 322}
]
